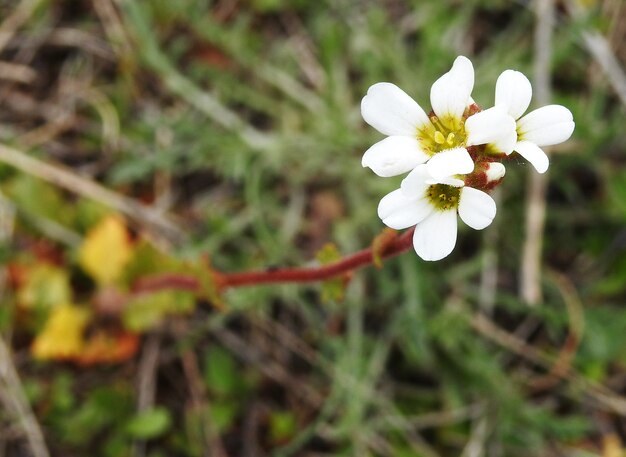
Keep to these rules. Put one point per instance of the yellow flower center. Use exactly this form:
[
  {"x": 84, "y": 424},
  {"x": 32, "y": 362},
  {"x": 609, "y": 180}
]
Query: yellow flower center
[
  {"x": 441, "y": 134},
  {"x": 443, "y": 197}
]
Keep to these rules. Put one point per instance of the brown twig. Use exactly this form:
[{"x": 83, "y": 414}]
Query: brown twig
[
  {"x": 17, "y": 73},
  {"x": 601, "y": 394},
  {"x": 199, "y": 398},
  {"x": 271, "y": 369},
  {"x": 113, "y": 27},
  {"x": 16, "y": 19},
  {"x": 530, "y": 288},
  {"x": 600, "y": 49},
  {"x": 489, "y": 270},
  {"x": 14, "y": 401},
  {"x": 147, "y": 384},
  {"x": 73, "y": 182},
  {"x": 304, "y": 47},
  {"x": 563, "y": 362}
]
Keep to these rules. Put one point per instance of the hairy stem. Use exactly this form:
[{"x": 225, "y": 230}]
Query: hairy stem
[{"x": 396, "y": 246}]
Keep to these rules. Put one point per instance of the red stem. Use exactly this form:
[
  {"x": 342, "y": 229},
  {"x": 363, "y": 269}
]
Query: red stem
[{"x": 359, "y": 259}]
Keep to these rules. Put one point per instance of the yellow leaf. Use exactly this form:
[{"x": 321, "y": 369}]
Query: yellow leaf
[
  {"x": 106, "y": 250},
  {"x": 62, "y": 335},
  {"x": 612, "y": 446}
]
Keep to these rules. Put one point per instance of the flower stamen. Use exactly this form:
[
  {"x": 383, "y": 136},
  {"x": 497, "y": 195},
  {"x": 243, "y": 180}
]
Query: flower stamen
[{"x": 443, "y": 196}]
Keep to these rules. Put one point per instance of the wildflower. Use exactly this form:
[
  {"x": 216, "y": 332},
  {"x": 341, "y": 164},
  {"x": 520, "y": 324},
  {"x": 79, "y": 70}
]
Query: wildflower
[
  {"x": 440, "y": 139},
  {"x": 545, "y": 126},
  {"x": 432, "y": 206}
]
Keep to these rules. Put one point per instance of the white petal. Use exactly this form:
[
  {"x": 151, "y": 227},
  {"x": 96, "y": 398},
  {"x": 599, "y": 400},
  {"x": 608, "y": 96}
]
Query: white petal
[
  {"x": 450, "y": 94},
  {"x": 391, "y": 111},
  {"x": 463, "y": 72},
  {"x": 476, "y": 208},
  {"x": 506, "y": 142},
  {"x": 394, "y": 156},
  {"x": 435, "y": 236},
  {"x": 416, "y": 182},
  {"x": 399, "y": 211},
  {"x": 547, "y": 125},
  {"x": 450, "y": 181},
  {"x": 490, "y": 126},
  {"x": 534, "y": 154},
  {"x": 455, "y": 161},
  {"x": 513, "y": 91}
]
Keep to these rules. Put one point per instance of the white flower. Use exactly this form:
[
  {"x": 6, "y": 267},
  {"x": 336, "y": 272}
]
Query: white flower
[
  {"x": 432, "y": 205},
  {"x": 545, "y": 126},
  {"x": 441, "y": 139}
]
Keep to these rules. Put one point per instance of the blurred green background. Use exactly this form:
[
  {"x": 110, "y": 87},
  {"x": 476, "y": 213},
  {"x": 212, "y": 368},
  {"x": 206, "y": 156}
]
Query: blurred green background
[{"x": 238, "y": 121}]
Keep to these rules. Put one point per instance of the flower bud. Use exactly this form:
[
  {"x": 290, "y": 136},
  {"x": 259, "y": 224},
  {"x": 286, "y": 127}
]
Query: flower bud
[{"x": 495, "y": 171}]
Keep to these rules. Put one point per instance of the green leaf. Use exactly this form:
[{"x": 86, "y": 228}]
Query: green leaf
[
  {"x": 617, "y": 192},
  {"x": 148, "y": 260},
  {"x": 38, "y": 198},
  {"x": 149, "y": 424},
  {"x": 100, "y": 410},
  {"x": 148, "y": 310},
  {"x": 46, "y": 286},
  {"x": 332, "y": 289},
  {"x": 61, "y": 394},
  {"x": 89, "y": 213},
  {"x": 223, "y": 414},
  {"x": 282, "y": 425},
  {"x": 220, "y": 372}
]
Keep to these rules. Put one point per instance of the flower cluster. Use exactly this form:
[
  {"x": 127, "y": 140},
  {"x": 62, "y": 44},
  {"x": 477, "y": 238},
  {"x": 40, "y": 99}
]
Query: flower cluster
[{"x": 453, "y": 153}]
